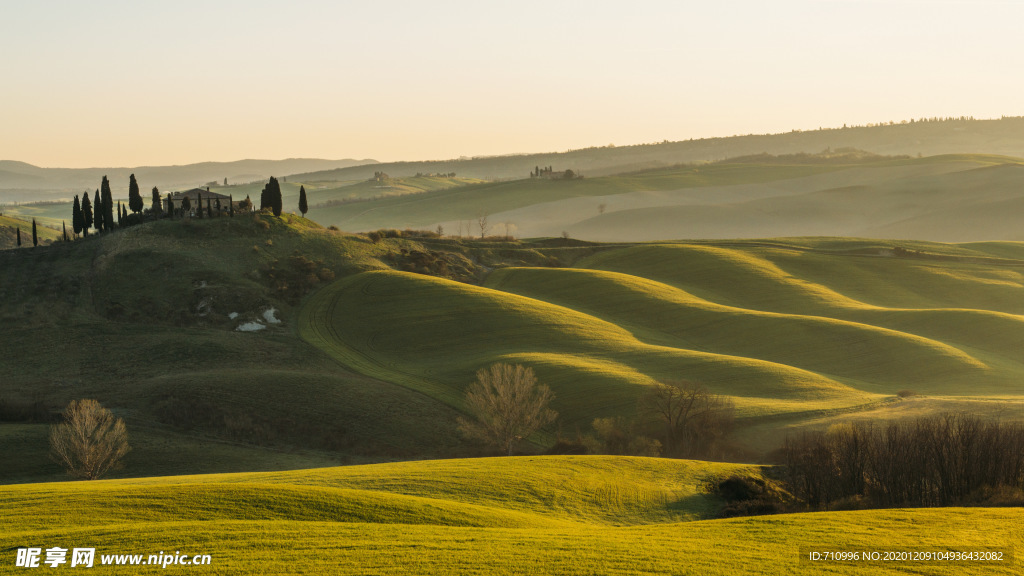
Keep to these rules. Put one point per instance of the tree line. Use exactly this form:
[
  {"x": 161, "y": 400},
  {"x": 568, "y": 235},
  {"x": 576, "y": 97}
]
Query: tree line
[{"x": 929, "y": 461}]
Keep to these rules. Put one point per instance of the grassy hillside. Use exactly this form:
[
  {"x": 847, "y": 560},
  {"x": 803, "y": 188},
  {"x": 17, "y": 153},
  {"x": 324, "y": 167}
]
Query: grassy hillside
[
  {"x": 9, "y": 227},
  {"x": 790, "y": 330},
  {"x": 145, "y": 320},
  {"x": 550, "y": 515},
  {"x": 376, "y": 340}
]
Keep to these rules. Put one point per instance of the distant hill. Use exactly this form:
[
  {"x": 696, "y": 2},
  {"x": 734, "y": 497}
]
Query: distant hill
[
  {"x": 1004, "y": 136},
  {"x": 21, "y": 182},
  {"x": 948, "y": 198}
]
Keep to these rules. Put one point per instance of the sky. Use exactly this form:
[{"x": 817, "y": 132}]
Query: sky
[{"x": 127, "y": 83}]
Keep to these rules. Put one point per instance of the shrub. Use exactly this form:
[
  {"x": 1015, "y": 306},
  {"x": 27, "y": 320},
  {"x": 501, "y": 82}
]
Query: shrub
[
  {"x": 617, "y": 436},
  {"x": 749, "y": 496}
]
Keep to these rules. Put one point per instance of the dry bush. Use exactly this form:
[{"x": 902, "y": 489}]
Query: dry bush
[
  {"x": 90, "y": 442},
  {"x": 619, "y": 437},
  {"x": 508, "y": 406}
]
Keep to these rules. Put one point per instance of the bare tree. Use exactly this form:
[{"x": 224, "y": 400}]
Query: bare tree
[
  {"x": 693, "y": 421},
  {"x": 509, "y": 229},
  {"x": 508, "y": 406},
  {"x": 90, "y": 442},
  {"x": 601, "y": 208},
  {"x": 481, "y": 221}
]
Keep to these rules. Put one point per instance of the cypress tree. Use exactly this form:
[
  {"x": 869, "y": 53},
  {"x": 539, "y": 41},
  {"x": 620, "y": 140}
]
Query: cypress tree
[
  {"x": 170, "y": 206},
  {"x": 186, "y": 207},
  {"x": 97, "y": 212},
  {"x": 86, "y": 215},
  {"x": 108, "y": 205},
  {"x": 209, "y": 210},
  {"x": 35, "y": 239},
  {"x": 231, "y": 204},
  {"x": 274, "y": 196},
  {"x": 64, "y": 227},
  {"x": 263, "y": 198},
  {"x": 119, "y": 219},
  {"x": 199, "y": 204},
  {"x": 124, "y": 214},
  {"x": 303, "y": 206},
  {"x": 19, "y": 236},
  {"x": 76, "y": 217},
  {"x": 134, "y": 198},
  {"x": 156, "y": 201},
  {"x": 218, "y": 206}
]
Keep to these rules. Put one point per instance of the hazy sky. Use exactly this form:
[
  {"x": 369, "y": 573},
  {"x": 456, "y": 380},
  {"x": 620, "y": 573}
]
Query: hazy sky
[{"x": 124, "y": 83}]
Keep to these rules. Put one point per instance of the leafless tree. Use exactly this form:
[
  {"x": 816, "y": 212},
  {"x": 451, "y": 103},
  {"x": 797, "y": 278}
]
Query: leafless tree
[
  {"x": 508, "y": 405},
  {"x": 509, "y": 229},
  {"x": 481, "y": 222},
  {"x": 601, "y": 208},
  {"x": 90, "y": 442},
  {"x": 440, "y": 231},
  {"x": 693, "y": 421},
  {"x": 938, "y": 460}
]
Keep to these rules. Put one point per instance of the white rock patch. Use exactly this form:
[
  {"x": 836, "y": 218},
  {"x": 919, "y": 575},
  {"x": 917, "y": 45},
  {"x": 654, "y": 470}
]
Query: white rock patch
[
  {"x": 268, "y": 315},
  {"x": 233, "y": 315},
  {"x": 250, "y": 327}
]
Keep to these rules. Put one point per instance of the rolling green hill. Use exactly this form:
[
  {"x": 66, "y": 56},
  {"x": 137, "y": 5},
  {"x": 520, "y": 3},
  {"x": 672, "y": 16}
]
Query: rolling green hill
[
  {"x": 9, "y": 227},
  {"x": 550, "y": 515},
  {"x": 356, "y": 357},
  {"x": 789, "y": 330}
]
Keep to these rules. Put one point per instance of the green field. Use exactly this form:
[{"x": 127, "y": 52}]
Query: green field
[
  {"x": 790, "y": 330},
  {"x": 373, "y": 365},
  {"x": 550, "y": 515},
  {"x": 9, "y": 235},
  {"x": 369, "y": 363}
]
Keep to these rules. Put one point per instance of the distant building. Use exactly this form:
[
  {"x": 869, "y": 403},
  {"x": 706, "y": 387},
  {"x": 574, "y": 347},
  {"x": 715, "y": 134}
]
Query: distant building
[{"x": 193, "y": 197}]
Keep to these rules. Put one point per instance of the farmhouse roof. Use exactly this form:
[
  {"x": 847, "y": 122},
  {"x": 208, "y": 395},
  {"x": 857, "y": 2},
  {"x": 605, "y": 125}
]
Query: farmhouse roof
[{"x": 195, "y": 192}]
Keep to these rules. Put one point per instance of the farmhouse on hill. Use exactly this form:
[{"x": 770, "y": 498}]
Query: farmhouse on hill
[{"x": 193, "y": 198}]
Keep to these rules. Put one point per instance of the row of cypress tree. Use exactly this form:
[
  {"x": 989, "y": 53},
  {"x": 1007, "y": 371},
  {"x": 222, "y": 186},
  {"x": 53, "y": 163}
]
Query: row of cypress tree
[{"x": 98, "y": 214}]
